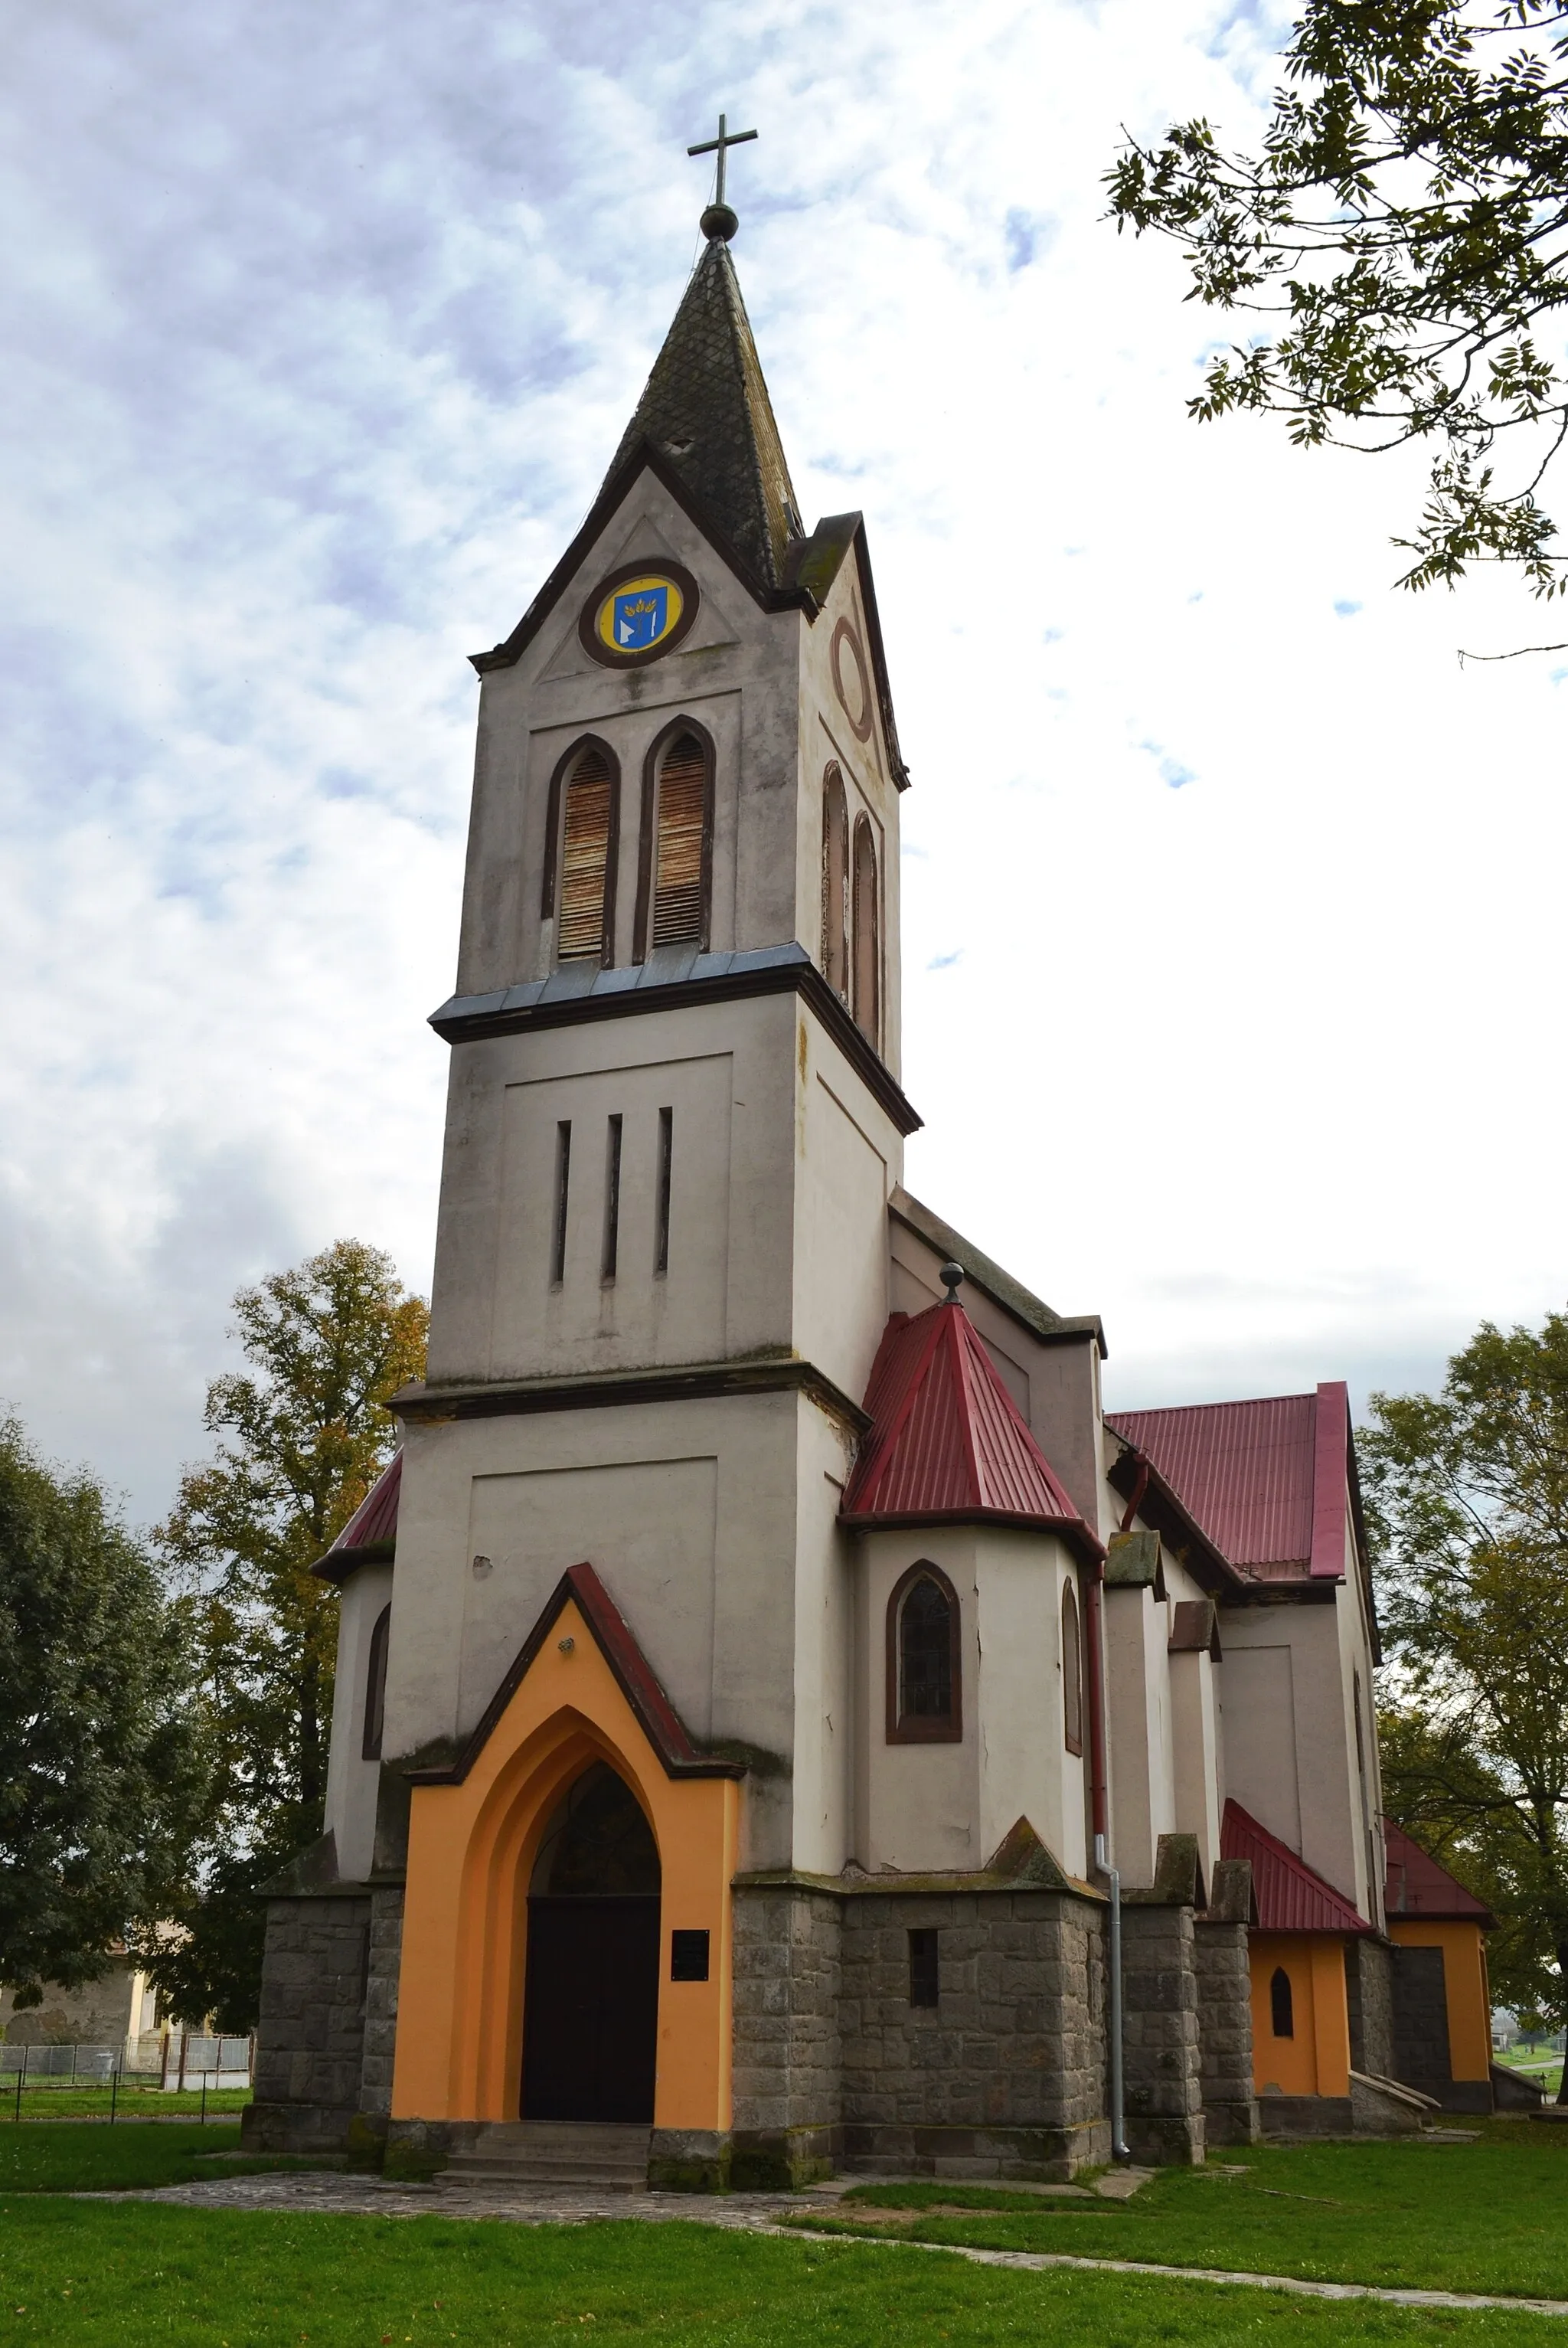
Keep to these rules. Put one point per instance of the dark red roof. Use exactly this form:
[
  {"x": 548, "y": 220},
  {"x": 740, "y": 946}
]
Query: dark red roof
[
  {"x": 371, "y": 1533},
  {"x": 1291, "y": 1896},
  {"x": 948, "y": 1442},
  {"x": 1267, "y": 1481},
  {"x": 1418, "y": 1886}
]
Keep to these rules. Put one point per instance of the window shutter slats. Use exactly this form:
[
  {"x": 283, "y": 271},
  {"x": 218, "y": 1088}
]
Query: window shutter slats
[
  {"x": 677, "y": 872},
  {"x": 584, "y": 860}
]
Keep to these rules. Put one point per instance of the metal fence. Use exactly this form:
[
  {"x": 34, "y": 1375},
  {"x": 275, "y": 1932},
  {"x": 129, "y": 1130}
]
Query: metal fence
[{"x": 187, "y": 2062}]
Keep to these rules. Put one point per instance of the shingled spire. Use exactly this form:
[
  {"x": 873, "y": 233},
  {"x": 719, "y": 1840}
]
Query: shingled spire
[{"x": 706, "y": 410}]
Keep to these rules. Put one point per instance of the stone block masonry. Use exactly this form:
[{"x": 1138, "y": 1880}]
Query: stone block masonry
[
  {"x": 1224, "y": 2007},
  {"x": 1161, "y": 2057},
  {"x": 310, "y": 2040},
  {"x": 787, "y": 1960},
  {"x": 1004, "y": 2075}
]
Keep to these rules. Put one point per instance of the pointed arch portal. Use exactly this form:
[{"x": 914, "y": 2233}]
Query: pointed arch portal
[{"x": 579, "y": 1787}]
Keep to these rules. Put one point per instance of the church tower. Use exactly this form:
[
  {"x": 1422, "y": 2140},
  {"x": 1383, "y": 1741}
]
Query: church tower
[
  {"x": 713, "y": 1646},
  {"x": 770, "y": 1693}
]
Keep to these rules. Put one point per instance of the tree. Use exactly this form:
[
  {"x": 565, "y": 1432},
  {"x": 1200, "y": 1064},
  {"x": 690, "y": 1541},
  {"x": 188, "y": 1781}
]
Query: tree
[
  {"x": 101, "y": 1769},
  {"x": 1468, "y": 1502},
  {"x": 305, "y": 1432},
  {"x": 1406, "y": 223}
]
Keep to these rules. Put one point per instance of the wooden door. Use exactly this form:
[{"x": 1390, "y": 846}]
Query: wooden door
[{"x": 591, "y": 2008}]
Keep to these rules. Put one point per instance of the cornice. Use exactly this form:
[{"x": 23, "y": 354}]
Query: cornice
[
  {"x": 563, "y": 1001},
  {"x": 440, "y": 1405}
]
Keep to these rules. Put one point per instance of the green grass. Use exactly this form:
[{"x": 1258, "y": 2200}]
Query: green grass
[
  {"x": 1490, "y": 2216},
  {"x": 121, "y": 2274},
  {"x": 130, "y": 2103},
  {"x": 38, "y": 2158}
]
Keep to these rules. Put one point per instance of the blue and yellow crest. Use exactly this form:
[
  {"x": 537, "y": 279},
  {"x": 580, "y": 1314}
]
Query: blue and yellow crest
[{"x": 640, "y": 616}]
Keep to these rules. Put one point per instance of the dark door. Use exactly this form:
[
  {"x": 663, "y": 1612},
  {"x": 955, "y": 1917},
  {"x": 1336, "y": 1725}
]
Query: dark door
[{"x": 591, "y": 2011}]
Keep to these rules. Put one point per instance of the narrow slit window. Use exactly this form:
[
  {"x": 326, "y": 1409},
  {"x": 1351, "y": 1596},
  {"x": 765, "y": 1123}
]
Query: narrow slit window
[
  {"x": 611, "y": 1200},
  {"x": 375, "y": 1686},
  {"x": 1071, "y": 1673},
  {"x": 662, "y": 1198},
  {"x": 867, "y": 935},
  {"x": 924, "y": 1978},
  {"x": 834, "y": 884},
  {"x": 586, "y": 826},
  {"x": 679, "y": 857},
  {"x": 1282, "y": 2009},
  {"x": 563, "y": 1192}
]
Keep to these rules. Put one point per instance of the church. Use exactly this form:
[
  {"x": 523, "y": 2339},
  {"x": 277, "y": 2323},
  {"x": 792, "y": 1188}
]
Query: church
[{"x": 783, "y": 1723}]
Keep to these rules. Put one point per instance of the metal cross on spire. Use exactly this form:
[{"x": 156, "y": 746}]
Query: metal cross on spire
[{"x": 718, "y": 220}]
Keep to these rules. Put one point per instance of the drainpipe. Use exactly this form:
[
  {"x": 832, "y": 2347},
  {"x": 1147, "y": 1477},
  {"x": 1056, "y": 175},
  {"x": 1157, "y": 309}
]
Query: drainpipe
[{"x": 1098, "y": 1780}]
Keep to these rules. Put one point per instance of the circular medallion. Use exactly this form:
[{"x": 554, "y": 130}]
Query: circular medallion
[
  {"x": 638, "y": 613},
  {"x": 854, "y": 690}
]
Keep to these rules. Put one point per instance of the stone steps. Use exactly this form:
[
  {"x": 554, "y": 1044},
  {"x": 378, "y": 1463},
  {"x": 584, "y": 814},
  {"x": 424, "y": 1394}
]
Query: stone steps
[{"x": 531, "y": 2155}]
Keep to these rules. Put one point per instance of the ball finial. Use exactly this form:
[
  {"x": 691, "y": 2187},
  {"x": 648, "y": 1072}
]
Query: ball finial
[
  {"x": 719, "y": 223},
  {"x": 952, "y": 1279}
]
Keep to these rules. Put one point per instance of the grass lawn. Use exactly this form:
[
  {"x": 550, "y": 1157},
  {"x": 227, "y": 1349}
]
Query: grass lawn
[
  {"x": 78, "y": 2274},
  {"x": 1490, "y": 2216},
  {"x": 38, "y": 2158},
  {"x": 132, "y": 2103}
]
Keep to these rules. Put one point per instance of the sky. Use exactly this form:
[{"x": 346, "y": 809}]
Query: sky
[{"x": 1232, "y": 903}]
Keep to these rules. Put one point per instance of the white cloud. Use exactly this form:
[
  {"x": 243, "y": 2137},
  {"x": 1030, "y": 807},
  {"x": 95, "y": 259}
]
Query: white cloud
[{"x": 325, "y": 324}]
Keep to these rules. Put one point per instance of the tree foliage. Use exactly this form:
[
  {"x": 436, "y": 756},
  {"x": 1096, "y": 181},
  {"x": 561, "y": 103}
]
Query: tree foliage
[
  {"x": 1468, "y": 1500},
  {"x": 305, "y": 1432},
  {"x": 101, "y": 1771},
  {"x": 1406, "y": 225}
]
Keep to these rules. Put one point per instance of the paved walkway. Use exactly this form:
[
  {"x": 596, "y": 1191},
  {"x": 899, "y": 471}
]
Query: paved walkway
[{"x": 749, "y": 2213}]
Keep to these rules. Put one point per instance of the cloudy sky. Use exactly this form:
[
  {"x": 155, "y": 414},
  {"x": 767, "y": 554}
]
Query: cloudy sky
[{"x": 1234, "y": 907}]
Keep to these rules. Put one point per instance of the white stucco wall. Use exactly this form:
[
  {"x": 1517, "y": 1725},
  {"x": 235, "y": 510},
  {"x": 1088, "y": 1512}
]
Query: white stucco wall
[{"x": 352, "y": 1780}]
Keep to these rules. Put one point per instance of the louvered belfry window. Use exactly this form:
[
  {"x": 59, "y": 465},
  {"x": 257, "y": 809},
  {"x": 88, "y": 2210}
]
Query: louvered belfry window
[
  {"x": 677, "y": 857},
  {"x": 584, "y": 860}
]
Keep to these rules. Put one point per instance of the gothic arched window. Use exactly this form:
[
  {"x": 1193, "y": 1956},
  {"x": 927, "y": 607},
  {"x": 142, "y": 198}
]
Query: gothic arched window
[
  {"x": 924, "y": 1696},
  {"x": 579, "y": 862},
  {"x": 375, "y": 1686},
  {"x": 867, "y": 934},
  {"x": 677, "y": 842},
  {"x": 1281, "y": 2005},
  {"x": 1071, "y": 1673},
  {"x": 835, "y": 884}
]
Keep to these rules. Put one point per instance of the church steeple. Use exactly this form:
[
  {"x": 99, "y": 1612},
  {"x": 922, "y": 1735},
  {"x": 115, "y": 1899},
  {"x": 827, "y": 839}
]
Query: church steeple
[{"x": 706, "y": 411}]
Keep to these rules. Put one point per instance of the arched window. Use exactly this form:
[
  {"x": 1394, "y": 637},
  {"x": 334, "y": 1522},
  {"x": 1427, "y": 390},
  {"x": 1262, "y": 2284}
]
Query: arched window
[
  {"x": 585, "y": 922},
  {"x": 673, "y": 881},
  {"x": 375, "y": 1686},
  {"x": 867, "y": 934},
  {"x": 835, "y": 884},
  {"x": 1282, "y": 2011},
  {"x": 923, "y": 1691},
  {"x": 1071, "y": 1673},
  {"x": 598, "y": 1843}
]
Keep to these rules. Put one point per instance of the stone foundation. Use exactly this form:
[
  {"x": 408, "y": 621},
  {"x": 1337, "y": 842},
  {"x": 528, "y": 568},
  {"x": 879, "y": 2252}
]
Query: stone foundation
[
  {"x": 1225, "y": 2008},
  {"x": 788, "y": 1943},
  {"x": 1004, "y": 2075},
  {"x": 310, "y": 2040},
  {"x": 1369, "y": 1993}
]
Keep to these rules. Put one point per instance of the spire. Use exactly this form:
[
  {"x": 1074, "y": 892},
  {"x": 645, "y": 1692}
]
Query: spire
[{"x": 706, "y": 410}]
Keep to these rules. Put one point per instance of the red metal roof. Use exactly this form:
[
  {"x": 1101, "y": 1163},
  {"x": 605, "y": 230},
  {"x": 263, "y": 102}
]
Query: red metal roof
[
  {"x": 1418, "y": 1886},
  {"x": 1291, "y": 1896},
  {"x": 1267, "y": 1481},
  {"x": 948, "y": 1441},
  {"x": 373, "y": 1528}
]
